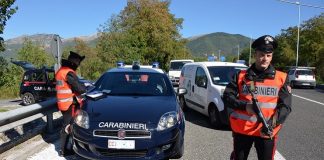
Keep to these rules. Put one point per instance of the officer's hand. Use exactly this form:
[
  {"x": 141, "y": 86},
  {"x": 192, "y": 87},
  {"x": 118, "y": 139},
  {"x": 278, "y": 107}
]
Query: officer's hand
[
  {"x": 273, "y": 120},
  {"x": 249, "y": 108},
  {"x": 264, "y": 135}
]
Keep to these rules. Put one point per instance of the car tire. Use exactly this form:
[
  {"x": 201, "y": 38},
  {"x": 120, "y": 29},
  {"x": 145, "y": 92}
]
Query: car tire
[
  {"x": 214, "y": 117},
  {"x": 28, "y": 99},
  {"x": 182, "y": 102}
]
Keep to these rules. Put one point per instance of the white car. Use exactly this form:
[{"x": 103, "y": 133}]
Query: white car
[
  {"x": 205, "y": 83},
  {"x": 175, "y": 69},
  {"x": 302, "y": 76}
]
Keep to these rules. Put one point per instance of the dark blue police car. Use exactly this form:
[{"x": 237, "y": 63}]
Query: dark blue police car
[{"x": 132, "y": 113}]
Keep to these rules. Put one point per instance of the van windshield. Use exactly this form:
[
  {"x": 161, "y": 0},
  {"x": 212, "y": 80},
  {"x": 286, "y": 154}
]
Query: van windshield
[
  {"x": 177, "y": 66},
  {"x": 222, "y": 75}
]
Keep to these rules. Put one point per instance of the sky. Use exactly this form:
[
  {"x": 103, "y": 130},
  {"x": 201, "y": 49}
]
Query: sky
[{"x": 71, "y": 18}]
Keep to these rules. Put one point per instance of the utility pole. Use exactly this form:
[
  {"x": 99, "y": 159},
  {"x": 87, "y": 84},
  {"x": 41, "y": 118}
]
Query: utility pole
[
  {"x": 238, "y": 52},
  {"x": 219, "y": 55},
  {"x": 298, "y": 26},
  {"x": 250, "y": 51},
  {"x": 58, "y": 55}
]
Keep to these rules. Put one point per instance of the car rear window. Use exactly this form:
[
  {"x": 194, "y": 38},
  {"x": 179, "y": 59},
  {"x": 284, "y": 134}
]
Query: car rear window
[
  {"x": 222, "y": 75},
  {"x": 305, "y": 72},
  {"x": 134, "y": 83}
]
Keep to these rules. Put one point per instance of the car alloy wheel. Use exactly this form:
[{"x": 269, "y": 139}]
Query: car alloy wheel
[{"x": 28, "y": 99}]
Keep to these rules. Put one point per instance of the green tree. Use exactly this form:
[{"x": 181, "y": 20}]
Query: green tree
[
  {"x": 35, "y": 54},
  {"x": 245, "y": 55},
  {"x": 310, "y": 46},
  {"x": 6, "y": 11},
  {"x": 90, "y": 67},
  {"x": 145, "y": 30}
]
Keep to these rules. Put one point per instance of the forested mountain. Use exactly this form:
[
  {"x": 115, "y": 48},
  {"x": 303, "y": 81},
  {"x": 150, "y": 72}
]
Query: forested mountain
[
  {"x": 45, "y": 40},
  {"x": 198, "y": 45},
  {"x": 212, "y": 43}
]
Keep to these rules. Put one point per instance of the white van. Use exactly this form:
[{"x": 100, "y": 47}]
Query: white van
[
  {"x": 175, "y": 69},
  {"x": 205, "y": 83}
]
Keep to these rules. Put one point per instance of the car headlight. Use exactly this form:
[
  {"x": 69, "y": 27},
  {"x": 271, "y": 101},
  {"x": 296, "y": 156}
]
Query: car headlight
[
  {"x": 168, "y": 120},
  {"x": 171, "y": 77},
  {"x": 82, "y": 119}
]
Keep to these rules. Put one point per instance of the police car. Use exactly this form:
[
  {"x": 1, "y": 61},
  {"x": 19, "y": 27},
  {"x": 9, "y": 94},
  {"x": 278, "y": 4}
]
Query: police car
[{"x": 132, "y": 113}]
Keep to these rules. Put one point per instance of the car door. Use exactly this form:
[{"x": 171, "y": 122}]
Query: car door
[
  {"x": 39, "y": 83},
  {"x": 199, "y": 90},
  {"x": 188, "y": 83}
]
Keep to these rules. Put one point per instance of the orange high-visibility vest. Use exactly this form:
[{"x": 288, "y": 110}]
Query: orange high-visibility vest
[
  {"x": 64, "y": 92},
  {"x": 267, "y": 94}
]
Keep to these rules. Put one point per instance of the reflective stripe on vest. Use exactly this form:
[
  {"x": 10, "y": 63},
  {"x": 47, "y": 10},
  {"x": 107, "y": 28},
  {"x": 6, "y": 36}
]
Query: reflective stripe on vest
[
  {"x": 267, "y": 94},
  {"x": 246, "y": 117},
  {"x": 266, "y": 105},
  {"x": 64, "y": 93},
  {"x": 65, "y": 100}
]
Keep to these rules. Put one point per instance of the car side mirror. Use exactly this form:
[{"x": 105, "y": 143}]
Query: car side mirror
[{"x": 181, "y": 91}]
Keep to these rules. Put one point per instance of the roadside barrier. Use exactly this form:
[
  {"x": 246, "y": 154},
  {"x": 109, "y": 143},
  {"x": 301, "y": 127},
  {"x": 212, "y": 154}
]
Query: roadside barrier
[{"x": 23, "y": 115}]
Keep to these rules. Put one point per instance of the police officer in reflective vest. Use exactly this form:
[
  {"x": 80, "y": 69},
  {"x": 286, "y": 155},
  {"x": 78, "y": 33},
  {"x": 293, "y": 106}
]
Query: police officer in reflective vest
[
  {"x": 273, "y": 93},
  {"x": 68, "y": 89}
]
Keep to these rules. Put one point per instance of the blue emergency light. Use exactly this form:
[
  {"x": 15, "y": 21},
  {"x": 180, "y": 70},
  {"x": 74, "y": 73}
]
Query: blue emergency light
[
  {"x": 120, "y": 64},
  {"x": 155, "y": 65}
]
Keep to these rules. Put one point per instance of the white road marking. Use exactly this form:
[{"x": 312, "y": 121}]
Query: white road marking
[
  {"x": 278, "y": 156},
  {"x": 308, "y": 99}
]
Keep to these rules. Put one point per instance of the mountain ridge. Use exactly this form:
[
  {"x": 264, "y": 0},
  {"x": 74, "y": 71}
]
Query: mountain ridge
[{"x": 200, "y": 45}]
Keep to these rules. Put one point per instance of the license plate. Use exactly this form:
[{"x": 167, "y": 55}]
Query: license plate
[
  {"x": 306, "y": 84},
  {"x": 121, "y": 144}
]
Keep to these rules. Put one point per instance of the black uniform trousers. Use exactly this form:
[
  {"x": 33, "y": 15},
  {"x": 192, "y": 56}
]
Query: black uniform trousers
[
  {"x": 64, "y": 137},
  {"x": 242, "y": 144}
]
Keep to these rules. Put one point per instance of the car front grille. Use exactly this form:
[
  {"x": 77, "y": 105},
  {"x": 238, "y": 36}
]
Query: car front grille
[
  {"x": 121, "y": 153},
  {"x": 129, "y": 134}
]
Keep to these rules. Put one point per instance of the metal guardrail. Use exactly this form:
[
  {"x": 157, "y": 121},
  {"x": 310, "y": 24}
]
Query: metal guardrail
[{"x": 23, "y": 115}]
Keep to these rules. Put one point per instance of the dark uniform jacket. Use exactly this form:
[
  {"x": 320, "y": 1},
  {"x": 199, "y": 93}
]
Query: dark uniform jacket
[{"x": 230, "y": 96}]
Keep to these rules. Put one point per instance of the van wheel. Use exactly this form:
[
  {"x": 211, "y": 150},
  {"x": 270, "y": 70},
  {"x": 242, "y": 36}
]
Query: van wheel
[
  {"x": 183, "y": 104},
  {"x": 214, "y": 118},
  {"x": 28, "y": 99}
]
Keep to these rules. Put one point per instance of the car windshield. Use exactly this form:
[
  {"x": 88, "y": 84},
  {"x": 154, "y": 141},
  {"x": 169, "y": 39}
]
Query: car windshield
[
  {"x": 134, "y": 83},
  {"x": 222, "y": 75},
  {"x": 177, "y": 66}
]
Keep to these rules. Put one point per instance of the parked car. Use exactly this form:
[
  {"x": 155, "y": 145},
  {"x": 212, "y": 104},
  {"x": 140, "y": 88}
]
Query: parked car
[
  {"x": 132, "y": 113},
  {"x": 302, "y": 77},
  {"x": 175, "y": 69},
  {"x": 39, "y": 83},
  {"x": 205, "y": 83}
]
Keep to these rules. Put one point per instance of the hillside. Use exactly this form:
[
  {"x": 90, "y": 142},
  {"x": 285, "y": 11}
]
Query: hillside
[
  {"x": 211, "y": 43},
  {"x": 45, "y": 40},
  {"x": 198, "y": 45}
]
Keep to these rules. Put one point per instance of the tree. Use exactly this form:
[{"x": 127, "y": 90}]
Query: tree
[
  {"x": 6, "y": 11},
  {"x": 310, "y": 47},
  {"x": 145, "y": 31},
  {"x": 35, "y": 54},
  {"x": 90, "y": 67},
  {"x": 245, "y": 55}
]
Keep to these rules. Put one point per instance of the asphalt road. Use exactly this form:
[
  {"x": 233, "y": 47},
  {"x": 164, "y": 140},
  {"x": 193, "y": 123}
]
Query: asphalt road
[{"x": 302, "y": 136}]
